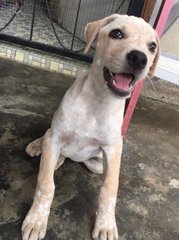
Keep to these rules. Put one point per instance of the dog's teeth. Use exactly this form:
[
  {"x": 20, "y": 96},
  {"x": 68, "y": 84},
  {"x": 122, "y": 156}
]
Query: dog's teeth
[
  {"x": 113, "y": 75},
  {"x": 114, "y": 83}
]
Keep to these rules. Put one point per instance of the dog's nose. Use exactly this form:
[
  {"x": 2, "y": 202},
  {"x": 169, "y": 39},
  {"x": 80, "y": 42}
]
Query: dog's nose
[{"x": 137, "y": 60}]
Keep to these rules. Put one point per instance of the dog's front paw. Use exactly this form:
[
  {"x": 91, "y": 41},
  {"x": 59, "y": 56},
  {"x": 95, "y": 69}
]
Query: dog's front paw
[
  {"x": 34, "y": 226},
  {"x": 105, "y": 227}
]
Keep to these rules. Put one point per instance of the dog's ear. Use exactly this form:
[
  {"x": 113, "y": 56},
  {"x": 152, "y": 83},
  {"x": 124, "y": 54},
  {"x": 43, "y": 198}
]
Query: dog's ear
[
  {"x": 92, "y": 29},
  {"x": 154, "y": 65}
]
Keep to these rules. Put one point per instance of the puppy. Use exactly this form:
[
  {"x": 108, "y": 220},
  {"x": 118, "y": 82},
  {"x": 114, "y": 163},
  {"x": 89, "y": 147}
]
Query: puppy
[{"x": 87, "y": 124}]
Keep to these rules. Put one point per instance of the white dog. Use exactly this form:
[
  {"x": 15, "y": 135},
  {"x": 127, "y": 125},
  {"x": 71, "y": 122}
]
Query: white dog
[{"x": 87, "y": 124}]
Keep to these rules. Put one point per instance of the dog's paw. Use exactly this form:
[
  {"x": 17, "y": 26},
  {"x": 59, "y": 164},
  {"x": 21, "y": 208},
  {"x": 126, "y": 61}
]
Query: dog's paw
[
  {"x": 34, "y": 227},
  {"x": 105, "y": 228},
  {"x": 34, "y": 148},
  {"x": 95, "y": 165}
]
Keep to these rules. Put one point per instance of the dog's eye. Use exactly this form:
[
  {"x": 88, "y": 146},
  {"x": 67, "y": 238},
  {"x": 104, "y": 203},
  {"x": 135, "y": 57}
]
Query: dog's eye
[
  {"x": 117, "y": 34},
  {"x": 152, "y": 46}
]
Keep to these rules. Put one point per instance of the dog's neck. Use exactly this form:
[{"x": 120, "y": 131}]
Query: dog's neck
[
  {"x": 95, "y": 90},
  {"x": 92, "y": 90}
]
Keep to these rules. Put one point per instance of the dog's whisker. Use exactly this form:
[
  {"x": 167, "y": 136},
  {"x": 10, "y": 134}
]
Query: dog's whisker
[{"x": 150, "y": 80}]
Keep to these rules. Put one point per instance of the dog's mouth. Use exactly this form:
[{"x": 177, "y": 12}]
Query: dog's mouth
[{"x": 120, "y": 84}]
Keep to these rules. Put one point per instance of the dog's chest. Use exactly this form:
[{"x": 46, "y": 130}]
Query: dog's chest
[
  {"x": 84, "y": 138},
  {"x": 85, "y": 126}
]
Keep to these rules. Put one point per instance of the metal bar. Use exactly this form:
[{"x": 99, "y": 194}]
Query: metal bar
[
  {"x": 44, "y": 47},
  {"x": 76, "y": 21},
  {"x": 54, "y": 30},
  {"x": 33, "y": 19},
  {"x": 120, "y": 6}
]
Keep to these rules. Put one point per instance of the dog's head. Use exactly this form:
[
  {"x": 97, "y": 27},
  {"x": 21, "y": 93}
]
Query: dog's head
[{"x": 127, "y": 50}]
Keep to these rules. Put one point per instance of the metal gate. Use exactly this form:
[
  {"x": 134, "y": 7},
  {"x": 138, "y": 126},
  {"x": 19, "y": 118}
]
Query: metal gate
[{"x": 57, "y": 26}]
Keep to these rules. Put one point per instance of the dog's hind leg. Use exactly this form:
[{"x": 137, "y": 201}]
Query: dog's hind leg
[
  {"x": 60, "y": 161},
  {"x": 34, "y": 148},
  {"x": 95, "y": 164}
]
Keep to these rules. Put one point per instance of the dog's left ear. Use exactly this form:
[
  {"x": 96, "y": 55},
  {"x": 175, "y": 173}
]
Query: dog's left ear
[
  {"x": 92, "y": 29},
  {"x": 154, "y": 65}
]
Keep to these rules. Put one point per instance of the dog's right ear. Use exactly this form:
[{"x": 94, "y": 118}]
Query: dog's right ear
[{"x": 92, "y": 29}]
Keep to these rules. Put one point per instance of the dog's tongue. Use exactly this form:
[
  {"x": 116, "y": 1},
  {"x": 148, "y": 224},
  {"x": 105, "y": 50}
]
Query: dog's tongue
[{"x": 122, "y": 81}]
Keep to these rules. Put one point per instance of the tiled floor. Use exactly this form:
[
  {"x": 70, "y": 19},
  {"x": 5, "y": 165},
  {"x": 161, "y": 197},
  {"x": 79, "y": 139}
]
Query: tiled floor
[{"x": 42, "y": 59}]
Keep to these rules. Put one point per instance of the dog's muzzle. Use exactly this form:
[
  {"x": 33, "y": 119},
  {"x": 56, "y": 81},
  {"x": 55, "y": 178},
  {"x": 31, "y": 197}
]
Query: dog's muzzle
[{"x": 120, "y": 84}]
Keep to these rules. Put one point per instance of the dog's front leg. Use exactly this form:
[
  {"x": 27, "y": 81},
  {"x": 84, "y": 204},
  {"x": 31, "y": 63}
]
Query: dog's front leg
[
  {"x": 105, "y": 226},
  {"x": 35, "y": 223}
]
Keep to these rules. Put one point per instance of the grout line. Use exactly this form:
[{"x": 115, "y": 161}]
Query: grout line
[{"x": 42, "y": 59}]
